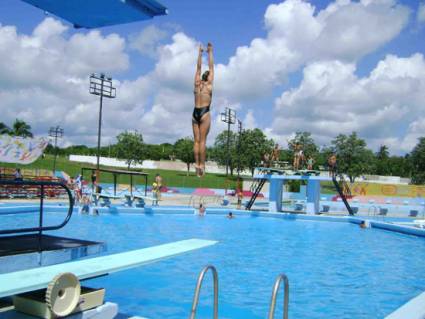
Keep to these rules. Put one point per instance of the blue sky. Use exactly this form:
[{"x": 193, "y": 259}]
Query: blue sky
[{"x": 322, "y": 66}]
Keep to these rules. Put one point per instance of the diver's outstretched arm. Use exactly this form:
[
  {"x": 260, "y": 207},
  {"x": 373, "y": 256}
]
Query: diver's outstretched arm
[
  {"x": 210, "y": 63},
  {"x": 199, "y": 66}
]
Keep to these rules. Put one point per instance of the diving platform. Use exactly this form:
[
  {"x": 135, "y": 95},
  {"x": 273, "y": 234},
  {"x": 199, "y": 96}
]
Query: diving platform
[
  {"x": 35, "y": 243},
  {"x": 277, "y": 182},
  {"x": 100, "y": 13},
  {"x": 23, "y": 281}
]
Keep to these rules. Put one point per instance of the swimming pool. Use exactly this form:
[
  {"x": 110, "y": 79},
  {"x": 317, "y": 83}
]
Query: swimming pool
[{"x": 336, "y": 270}]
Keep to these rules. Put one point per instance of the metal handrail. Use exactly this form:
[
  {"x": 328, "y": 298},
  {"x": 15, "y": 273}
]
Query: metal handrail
[
  {"x": 279, "y": 279},
  {"x": 40, "y": 228},
  {"x": 198, "y": 289},
  {"x": 375, "y": 209}
]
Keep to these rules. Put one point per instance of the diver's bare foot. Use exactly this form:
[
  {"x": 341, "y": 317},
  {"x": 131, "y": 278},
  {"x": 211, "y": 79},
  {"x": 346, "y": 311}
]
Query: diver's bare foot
[
  {"x": 202, "y": 170},
  {"x": 197, "y": 170}
]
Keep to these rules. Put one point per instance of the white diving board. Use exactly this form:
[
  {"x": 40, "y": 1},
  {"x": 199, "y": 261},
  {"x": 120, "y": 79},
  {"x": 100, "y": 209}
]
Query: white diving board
[
  {"x": 38, "y": 278},
  {"x": 413, "y": 309}
]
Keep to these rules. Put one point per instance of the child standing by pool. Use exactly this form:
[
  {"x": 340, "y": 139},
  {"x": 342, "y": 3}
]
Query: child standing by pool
[
  {"x": 240, "y": 197},
  {"x": 158, "y": 181},
  {"x": 155, "y": 191}
]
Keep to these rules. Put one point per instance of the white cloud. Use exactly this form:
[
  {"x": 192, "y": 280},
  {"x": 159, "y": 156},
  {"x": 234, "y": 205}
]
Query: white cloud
[
  {"x": 331, "y": 99},
  {"x": 249, "y": 121},
  {"x": 297, "y": 34},
  {"x": 45, "y": 81},
  {"x": 146, "y": 41},
  {"x": 44, "y": 77}
]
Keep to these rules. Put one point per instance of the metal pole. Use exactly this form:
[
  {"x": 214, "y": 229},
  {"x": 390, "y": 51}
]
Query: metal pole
[
  {"x": 55, "y": 132},
  {"x": 239, "y": 147},
  {"x": 146, "y": 185},
  {"x": 56, "y": 155},
  {"x": 198, "y": 290},
  {"x": 281, "y": 278},
  {"x": 115, "y": 184},
  {"x": 131, "y": 185},
  {"x": 40, "y": 220},
  {"x": 228, "y": 117},
  {"x": 99, "y": 130},
  {"x": 228, "y": 146}
]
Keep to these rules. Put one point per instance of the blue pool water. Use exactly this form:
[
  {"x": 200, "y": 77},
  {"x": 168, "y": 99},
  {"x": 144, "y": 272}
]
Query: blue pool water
[{"x": 336, "y": 270}]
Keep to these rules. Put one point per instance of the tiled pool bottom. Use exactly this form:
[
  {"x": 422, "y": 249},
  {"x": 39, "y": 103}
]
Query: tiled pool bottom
[{"x": 336, "y": 270}]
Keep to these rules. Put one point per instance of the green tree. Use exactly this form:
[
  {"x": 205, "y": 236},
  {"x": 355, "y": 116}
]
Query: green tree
[
  {"x": 254, "y": 144},
  {"x": 219, "y": 153},
  {"x": 307, "y": 142},
  {"x": 4, "y": 129},
  {"x": 153, "y": 152},
  {"x": 417, "y": 158},
  {"x": 130, "y": 147},
  {"x": 21, "y": 128},
  {"x": 183, "y": 149},
  {"x": 166, "y": 150},
  {"x": 382, "y": 158},
  {"x": 400, "y": 166},
  {"x": 354, "y": 159}
]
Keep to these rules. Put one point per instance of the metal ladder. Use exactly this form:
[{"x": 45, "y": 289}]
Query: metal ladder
[
  {"x": 339, "y": 185},
  {"x": 258, "y": 186},
  {"x": 279, "y": 279},
  {"x": 198, "y": 290}
]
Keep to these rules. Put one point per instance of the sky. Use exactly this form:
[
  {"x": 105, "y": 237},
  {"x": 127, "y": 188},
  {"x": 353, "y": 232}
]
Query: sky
[{"x": 326, "y": 67}]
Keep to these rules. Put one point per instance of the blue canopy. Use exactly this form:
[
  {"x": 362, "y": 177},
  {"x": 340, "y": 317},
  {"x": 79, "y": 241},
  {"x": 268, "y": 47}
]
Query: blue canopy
[{"x": 100, "y": 13}]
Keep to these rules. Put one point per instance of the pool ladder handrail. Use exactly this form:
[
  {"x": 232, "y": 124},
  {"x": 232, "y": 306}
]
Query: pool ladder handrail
[
  {"x": 198, "y": 289},
  {"x": 279, "y": 279},
  {"x": 375, "y": 210},
  {"x": 43, "y": 184}
]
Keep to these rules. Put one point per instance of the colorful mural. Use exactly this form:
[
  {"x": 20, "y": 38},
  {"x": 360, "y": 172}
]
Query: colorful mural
[
  {"x": 387, "y": 190},
  {"x": 21, "y": 150}
]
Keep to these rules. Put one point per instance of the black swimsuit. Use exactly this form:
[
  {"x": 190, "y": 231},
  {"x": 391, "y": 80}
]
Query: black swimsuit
[{"x": 198, "y": 112}]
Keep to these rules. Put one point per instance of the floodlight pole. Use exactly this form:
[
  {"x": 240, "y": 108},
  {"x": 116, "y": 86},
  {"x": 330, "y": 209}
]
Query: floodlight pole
[
  {"x": 99, "y": 129},
  {"x": 239, "y": 146},
  {"x": 229, "y": 117},
  {"x": 102, "y": 86},
  {"x": 55, "y": 132}
]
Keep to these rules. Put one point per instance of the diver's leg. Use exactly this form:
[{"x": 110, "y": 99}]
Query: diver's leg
[
  {"x": 204, "y": 129},
  {"x": 196, "y": 143}
]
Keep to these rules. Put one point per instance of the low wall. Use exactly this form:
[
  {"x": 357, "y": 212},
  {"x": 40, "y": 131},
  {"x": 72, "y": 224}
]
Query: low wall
[{"x": 211, "y": 167}]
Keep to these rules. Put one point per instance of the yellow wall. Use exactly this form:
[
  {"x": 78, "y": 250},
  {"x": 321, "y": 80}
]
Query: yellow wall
[{"x": 388, "y": 190}]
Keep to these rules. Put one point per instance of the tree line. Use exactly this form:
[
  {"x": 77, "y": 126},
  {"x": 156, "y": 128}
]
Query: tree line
[{"x": 247, "y": 150}]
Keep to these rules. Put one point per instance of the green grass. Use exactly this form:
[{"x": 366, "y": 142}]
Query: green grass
[
  {"x": 327, "y": 188},
  {"x": 170, "y": 178}
]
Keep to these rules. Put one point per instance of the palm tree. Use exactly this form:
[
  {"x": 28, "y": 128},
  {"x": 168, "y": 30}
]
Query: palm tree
[
  {"x": 21, "y": 128},
  {"x": 4, "y": 129}
]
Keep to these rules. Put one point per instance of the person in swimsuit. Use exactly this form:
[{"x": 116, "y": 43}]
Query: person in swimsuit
[
  {"x": 201, "y": 118},
  {"x": 275, "y": 154},
  {"x": 332, "y": 165}
]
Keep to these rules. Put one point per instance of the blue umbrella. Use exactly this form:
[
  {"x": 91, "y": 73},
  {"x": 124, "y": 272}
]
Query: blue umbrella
[{"x": 100, "y": 13}]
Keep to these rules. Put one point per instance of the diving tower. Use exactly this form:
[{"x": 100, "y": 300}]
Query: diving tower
[{"x": 278, "y": 179}]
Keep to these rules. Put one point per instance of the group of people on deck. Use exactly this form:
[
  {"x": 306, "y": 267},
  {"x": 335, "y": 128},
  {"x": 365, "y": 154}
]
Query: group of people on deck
[
  {"x": 82, "y": 193},
  {"x": 299, "y": 159}
]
